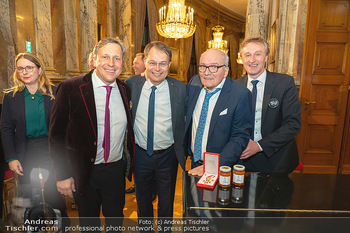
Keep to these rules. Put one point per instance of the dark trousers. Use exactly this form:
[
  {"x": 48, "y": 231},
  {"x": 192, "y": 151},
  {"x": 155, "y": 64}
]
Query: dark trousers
[
  {"x": 106, "y": 188},
  {"x": 37, "y": 155},
  {"x": 159, "y": 169}
]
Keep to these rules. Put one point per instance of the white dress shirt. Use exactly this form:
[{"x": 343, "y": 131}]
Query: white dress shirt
[
  {"x": 118, "y": 120},
  {"x": 163, "y": 131},
  {"x": 197, "y": 113},
  {"x": 259, "y": 101}
]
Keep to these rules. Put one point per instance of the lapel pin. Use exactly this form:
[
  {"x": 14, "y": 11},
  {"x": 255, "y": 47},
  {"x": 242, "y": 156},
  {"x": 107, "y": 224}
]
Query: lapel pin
[{"x": 273, "y": 103}]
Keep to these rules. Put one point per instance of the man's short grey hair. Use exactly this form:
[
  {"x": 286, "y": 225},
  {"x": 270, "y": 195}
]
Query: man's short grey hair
[
  {"x": 110, "y": 40},
  {"x": 258, "y": 40}
]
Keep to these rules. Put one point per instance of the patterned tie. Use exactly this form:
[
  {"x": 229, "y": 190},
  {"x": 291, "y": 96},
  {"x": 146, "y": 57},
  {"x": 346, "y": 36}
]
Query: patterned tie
[
  {"x": 150, "y": 124},
  {"x": 107, "y": 135},
  {"x": 254, "y": 94},
  {"x": 197, "y": 154}
]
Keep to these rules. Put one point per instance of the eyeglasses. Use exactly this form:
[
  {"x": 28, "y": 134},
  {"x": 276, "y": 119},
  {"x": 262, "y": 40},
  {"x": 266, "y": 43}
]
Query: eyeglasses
[
  {"x": 212, "y": 69},
  {"x": 161, "y": 64},
  {"x": 27, "y": 68}
]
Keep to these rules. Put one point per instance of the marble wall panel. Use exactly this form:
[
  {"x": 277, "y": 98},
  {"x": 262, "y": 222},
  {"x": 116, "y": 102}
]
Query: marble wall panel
[
  {"x": 88, "y": 30},
  {"x": 125, "y": 34},
  {"x": 43, "y": 32},
  {"x": 257, "y": 18},
  {"x": 71, "y": 36},
  {"x": 281, "y": 35},
  {"x": 8, "y": 52},
  {"x": 292, "y": 19},
  {"x": 299, "y": 41},
  {"x": 111, "y": 18}
]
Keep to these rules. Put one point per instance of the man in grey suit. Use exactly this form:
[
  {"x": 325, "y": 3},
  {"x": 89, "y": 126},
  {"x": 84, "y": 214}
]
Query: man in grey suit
[
  {"x": 276, "y": 112},
  {"x": 158, "y": 113}
]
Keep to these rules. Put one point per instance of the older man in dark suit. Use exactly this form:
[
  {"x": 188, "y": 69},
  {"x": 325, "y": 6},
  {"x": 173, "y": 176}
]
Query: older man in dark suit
[
  {"x": 218, "y": 117},
  {"x": 158, "y": 112},
  {"x": 91, "y": 135},
  {"x": 276, "y": 112}
]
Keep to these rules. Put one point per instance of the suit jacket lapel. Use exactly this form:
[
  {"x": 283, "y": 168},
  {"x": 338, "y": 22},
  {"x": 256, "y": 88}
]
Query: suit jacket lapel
[
  {"x": 136, "y": 92},
  {"x": 243, "y": 80},
  {"x": 173, "y": 94},
  {"x": 19, "y": 97},
  {"x": 87, "y": 93},
  {"x": 269, "y": 87},
  {"x": 125, "y": 100},
  {"x": 223, "y": 97},
  {"x": 193, "y": 97}
]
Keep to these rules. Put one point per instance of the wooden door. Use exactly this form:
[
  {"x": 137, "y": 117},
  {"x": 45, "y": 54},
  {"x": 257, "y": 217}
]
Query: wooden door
[{"x": 324, "y": 84}]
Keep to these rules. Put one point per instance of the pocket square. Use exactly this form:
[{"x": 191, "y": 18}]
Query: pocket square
[{"x": 224, "y": 112}]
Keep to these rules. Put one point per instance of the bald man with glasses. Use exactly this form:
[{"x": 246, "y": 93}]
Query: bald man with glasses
[{"x": 218, "y": 117}]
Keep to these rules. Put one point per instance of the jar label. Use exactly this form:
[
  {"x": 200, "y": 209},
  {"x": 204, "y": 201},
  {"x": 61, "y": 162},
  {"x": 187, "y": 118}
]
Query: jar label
[
  {"x": 237, "y": 193},
  {"x": 238, "y": 179},
  {"x": 224, "y": 194},
  {"x": 225, "y": 180}
]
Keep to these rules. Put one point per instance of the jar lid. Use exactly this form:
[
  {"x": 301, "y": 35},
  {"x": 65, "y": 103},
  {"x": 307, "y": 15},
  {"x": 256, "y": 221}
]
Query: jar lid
[
  {"x": 239, "y": 167},
  {"x": 225, "y": 169}
]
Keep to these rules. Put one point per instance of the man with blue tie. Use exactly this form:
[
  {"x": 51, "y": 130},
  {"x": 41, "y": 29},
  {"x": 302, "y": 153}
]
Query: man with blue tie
[
  {"x": 159, "y": 117},
  {"x": 276, "y": 111},
  {"x": 218, "y": 117}
]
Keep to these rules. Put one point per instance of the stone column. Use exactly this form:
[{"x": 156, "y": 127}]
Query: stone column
[
  {"x": 88, "y": 30},
  {"x": 111, "y": 18},
  {"x": 43, "y": 32},
  {"x": 71, "y": 36},
  {"x": 125, "y": 34},
  {"x": 8, "y": 37},
  {"x": 257, "y": 18},
  {"x": 292, "y": 17}
]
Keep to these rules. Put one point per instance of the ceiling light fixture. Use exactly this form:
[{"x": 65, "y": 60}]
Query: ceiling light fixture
[
  {"x": 177, "y": 22},
  {"x": 217, "y": 42}
]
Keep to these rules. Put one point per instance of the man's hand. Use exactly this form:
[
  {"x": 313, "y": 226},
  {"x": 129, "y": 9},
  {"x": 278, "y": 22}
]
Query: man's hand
[
  {"x": 66, "y": 187},
  {"x": 251, "y": 149},
  {"x": 16, "y": 167},
  {"x": 197, "y": 171}
]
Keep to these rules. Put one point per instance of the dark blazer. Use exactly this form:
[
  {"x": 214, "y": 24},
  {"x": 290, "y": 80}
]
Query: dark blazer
[
  {"x": 73, "y": 131},
  {"x": 231, "y": 121},
  {"x": 279, "y": 124},
  {"x": 13, "y": 126},
  {"x": 177, "y": 91}
]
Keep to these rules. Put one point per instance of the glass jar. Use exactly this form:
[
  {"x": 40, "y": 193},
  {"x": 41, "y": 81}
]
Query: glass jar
[
  {"x": 224, "y": 196},
  {"x": 238, "y": 175},
  {"x": 237, "y": 194},
  {"x": 225, "y": 176}
]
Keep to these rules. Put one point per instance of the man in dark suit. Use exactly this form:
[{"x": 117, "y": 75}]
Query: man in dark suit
[
  {"x": 276, "y": 112},
  {"x": 158, "y": 113},
  {"x": 91, "y": 135},
  {"x": 218, "y": 117}
]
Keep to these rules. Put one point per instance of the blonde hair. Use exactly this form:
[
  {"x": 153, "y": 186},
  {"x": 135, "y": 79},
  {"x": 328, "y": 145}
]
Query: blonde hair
[{"x": 44, "y": 82}]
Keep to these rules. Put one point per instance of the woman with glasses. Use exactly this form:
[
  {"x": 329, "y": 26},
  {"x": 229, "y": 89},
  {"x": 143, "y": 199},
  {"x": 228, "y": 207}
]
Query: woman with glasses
[{"x": 26, "y": 113}]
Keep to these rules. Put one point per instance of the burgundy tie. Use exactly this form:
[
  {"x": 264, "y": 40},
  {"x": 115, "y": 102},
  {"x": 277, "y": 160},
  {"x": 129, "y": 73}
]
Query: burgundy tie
[{"x": 107, "y": 135}]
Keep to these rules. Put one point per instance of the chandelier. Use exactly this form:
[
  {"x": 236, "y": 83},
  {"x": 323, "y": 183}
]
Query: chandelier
[
  {"x": 177, "y": 22},
  {"x": 218, "y": 42},
  {"x": 218, "y": 33},
  {"x": 239, "y": 59}
]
